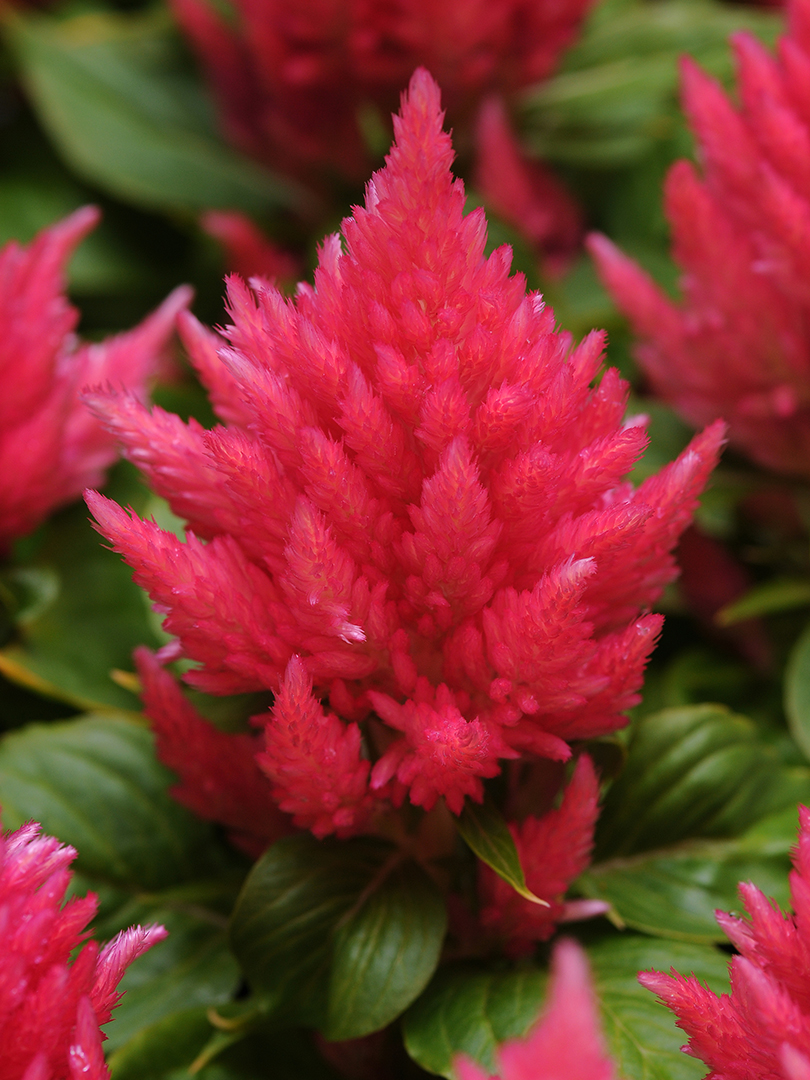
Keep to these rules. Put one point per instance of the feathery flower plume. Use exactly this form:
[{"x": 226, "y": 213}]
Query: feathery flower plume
[
  {"x": 412, "y": 526},
  {"x": 554, "y": 849},
  {"x": 51, "y": 447},
  {"x": 738, "y": 345},
  {"x": 761, "y": 1031},
  {"x": 567, "y": 1042},
  {"x": 51, "y": 1007}
]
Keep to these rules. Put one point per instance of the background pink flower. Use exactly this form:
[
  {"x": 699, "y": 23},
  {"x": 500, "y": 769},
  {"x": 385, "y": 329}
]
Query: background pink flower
[
  {"x": 51, "y": 447},
  {"x": 738, "y": 344},
  {"x": 761, "y": 1031},
  {"x": 51, "y": 1001}
]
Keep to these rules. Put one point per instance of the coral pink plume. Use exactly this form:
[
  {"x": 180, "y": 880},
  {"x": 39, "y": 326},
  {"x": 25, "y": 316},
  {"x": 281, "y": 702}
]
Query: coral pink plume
[
  {"x": 413, "y": 525},
  {"x": 313, "y": 760},
  {"x": 567, "y": 1042},
  {"x": 51, "y": 1006},
  {"x": 737, "y": 345},
  {"x": 554, "y": 849},
  {"x": 219, "y": 777},
  {"x": 761, "y": 1031},
  {"x": 50, "y": 446}
]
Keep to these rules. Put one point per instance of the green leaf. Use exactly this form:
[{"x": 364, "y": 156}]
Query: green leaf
[
  {"x": 616, "y": 92},
  {"x": 782, "y": 595},
  {"x": 385, "y": 953},
  {"x": 308, "y": 922},
  {"x": 467, "y": 1010},
  {"x": 96, "y": 784},
  {"x": 797, "y": 692},
  {"x": 92, "y": 617},
  {"x": 172, "y": 1041},
  {"x": 641, "y": 1033},
  {"x": 674, "y": 893},
  {"x": 110, "y": 90},
  {"x": 484, "y": 829},
  {"x": 694, "y": 771}
]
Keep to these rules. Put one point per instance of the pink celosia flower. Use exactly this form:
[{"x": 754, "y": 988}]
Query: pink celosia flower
[
  {"x": 738, "y": 346},
  {"x": 220, "y": 778},
  {"x": 761, "y": 1031},
  {"x": 51, "y": 447},
  {"x": 554, "y": 849},
  {"x": 567, "y": 1042},
  {"x": 415, "y": 508},
  {"x": 51, "y": 1006},
  {"x": 292, "y": 80}
]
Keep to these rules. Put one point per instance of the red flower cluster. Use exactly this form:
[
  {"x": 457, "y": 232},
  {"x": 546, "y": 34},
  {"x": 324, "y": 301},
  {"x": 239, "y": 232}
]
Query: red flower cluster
[
  {"x": 291, "y": 80},
  {"x": 294, "y": 83},
  {"x": 51, "y": 447},
  {"x": 761, "y": 1031},
  {"x": 50, "y": 1007},
  {"x": 738, "y": 346},
  {"x": 567, "y": 1042},
  {"x": 412, "y": 528}
]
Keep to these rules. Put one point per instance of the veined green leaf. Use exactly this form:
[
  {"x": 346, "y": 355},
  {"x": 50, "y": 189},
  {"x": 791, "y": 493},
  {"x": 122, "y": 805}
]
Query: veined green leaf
[
  {"x": 109, "y": 90},
  {"x": 484, "y": 830},
  {"x": 385, "y": 953},
  {"x": 468, "y": 1010},
  {"x": 675, "y": 892},
  {"x": 96, "y": 784},
  {"x": 337, "y": 934},
  {"x": 699, "y": 770}
]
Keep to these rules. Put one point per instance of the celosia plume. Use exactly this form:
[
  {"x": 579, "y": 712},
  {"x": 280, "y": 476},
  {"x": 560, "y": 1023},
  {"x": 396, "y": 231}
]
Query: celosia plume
[
  {"x": 567, "y": 1042},
  {"x": 761, "y": 1031},
  {"x": 738, "y": 345},
  {"x": 51, "y": 1007},
  {"x": 554, "y": 849},
  {"x": 413, "y": 526},
  {"x": 51, "y": 447}
]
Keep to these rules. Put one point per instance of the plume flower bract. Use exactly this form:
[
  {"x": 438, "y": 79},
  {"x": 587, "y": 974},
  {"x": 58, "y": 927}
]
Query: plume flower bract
[
  {"x": 412, "y": 526},
  {"x": 51, "y": 1006},
  {"x": 761, "y": 1031},
  {"x": 51, "y": 447},
  {"x": 737, "y": 346}
]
